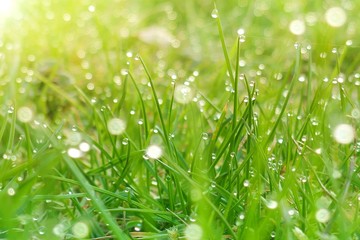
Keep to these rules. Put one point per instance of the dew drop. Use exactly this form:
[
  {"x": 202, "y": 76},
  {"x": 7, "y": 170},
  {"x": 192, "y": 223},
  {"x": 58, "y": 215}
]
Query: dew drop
[
  {"x": 349, "y": 42},
  {"x": 242, "y": 38},
  {"x": 59, "y": 230},
  {"x": 125, "y": 141},
  {"x": 291, "y": 212},
  {"x": 137, "y": 228},
  {"x": 11, "y": 191},
  {"x": 25, "y": 114},
  {"x": 193, "y": 232},
  {"x": 246, "y": 183},
  {"x": 344, "y": 133},
  {"x": 335, "y": 16},
  {"x": 297, "y": 27},
  {"x": 240, "y": 32},
  {"x": 116, "y": 126},
  {"x": 318, "y": 151},
  {"x": 41, "y": 230},
  {"x": 183, "y": 94},
  {"x": 154, "y": 152},
  {"x": 84, "y": 147},
  {"x": 80, "y": 230},
  {"x": 215, "y": 13},
  {"x": 322, "y": 215},
  {"x": 205, "y": 136},
  {"x": 271, "y": 204},
  {"x": 336, "y": 174},
  {"x": 74, "y": 153},
  {"x": 91, "y": 8}
]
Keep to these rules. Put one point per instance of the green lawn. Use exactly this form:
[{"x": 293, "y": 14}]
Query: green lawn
[{"x": 154, "y": 119}]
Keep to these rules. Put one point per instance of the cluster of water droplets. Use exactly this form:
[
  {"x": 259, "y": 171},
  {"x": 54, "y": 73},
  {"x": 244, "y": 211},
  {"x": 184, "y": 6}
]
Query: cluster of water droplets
[{"x": 77, "y": 147}]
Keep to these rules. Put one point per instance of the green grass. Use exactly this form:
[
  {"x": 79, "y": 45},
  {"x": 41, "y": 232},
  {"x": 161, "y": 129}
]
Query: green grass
[{"x": 245, "y": 129}]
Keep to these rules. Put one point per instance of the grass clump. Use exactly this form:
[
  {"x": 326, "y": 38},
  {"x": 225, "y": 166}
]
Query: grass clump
[{"x": 179, "y": 120}]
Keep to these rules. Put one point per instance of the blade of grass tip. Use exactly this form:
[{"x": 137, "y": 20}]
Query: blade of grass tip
[
  {"x": 293, "y": 80},
  {"x": 142, "y": 106},
  {"x": 223, "y": 45},
  {"x": 98, "y": 204},
  {"x": 156, "y": 99}
]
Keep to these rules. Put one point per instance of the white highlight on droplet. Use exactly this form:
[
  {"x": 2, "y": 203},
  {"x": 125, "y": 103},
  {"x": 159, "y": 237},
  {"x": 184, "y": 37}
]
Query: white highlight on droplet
[
  {"x": 80, "y": 230},
  {"x": 322, "y": 215},
  {"x": 59, "y": 230},
  {"x": 183, "y": 94},
  {"x": 25, "y": 114},
  {"x": 154, "y": 152},
  {"x": 193, "y": 232},
  {"x": 271, "y": 204},
  {"x": 335, "y": 16},
  {"x": 84, "y": 147},
  {"x": 344, "y": 133},
  {"x": 116, "y": 126},
  {"x": 74, "y": 153},
  {"x": 11, "y": 191},
  {"x": 297, "y": 27}
]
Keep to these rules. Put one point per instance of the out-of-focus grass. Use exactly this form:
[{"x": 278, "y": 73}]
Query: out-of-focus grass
[{"x": 157, "y": 120}]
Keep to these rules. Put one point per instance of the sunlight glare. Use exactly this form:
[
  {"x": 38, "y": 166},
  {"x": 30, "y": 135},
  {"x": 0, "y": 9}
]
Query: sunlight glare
[{"x": 6, "y": 7}]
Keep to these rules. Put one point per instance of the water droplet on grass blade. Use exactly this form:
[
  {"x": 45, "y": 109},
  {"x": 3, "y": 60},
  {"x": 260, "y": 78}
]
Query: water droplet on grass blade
[
  {"x": 25, "y": 114},
  {"x": 205, "y": 136},
  {"x": 125, "y": 141},
  {"x": 297, "y": 27},
  {"x": 84, "y": 147},
  {"x": 74, "y": 153},
  {"x": 323, "y": 215},
  {"x": 11, "y": 191},
  {"x": 80, "y": 230},
  {"x": 335, "y": 16},
  {"x": 183, "y": 94},
  {"x": 59, "y": 230},
  {"x": 344, "y": 133},
  {"x": 154, "y": 152},
  {"x": 116, "y": 126},
  {"x": 215, "y": 13},
  {"x": 271, "y": 204}
]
